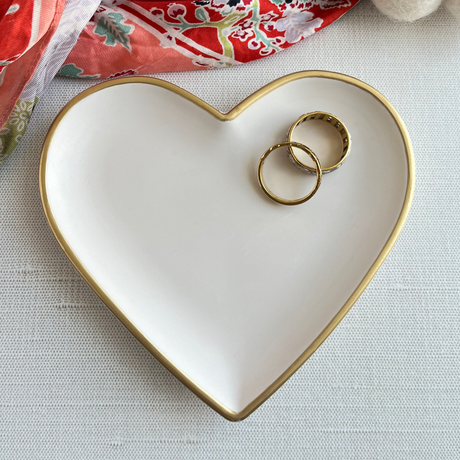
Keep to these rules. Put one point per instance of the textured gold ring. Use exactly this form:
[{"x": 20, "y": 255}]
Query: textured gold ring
[
  {"x": 340, "y": 128},
  {"x": 276, "y": 198}
]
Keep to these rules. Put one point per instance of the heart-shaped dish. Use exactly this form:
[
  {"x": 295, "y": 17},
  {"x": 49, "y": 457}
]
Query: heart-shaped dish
[{"x": 155, "y": 201}]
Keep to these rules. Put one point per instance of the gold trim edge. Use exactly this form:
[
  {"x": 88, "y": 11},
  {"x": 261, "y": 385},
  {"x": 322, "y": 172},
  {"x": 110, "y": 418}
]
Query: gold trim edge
[{"x": 231, "y": 115}]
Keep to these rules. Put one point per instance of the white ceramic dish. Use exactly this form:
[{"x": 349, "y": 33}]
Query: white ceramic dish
[{"x": 153, "y": 196}]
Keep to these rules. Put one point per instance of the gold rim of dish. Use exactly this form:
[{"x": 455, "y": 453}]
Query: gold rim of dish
[{"x": 231, "y": 115}]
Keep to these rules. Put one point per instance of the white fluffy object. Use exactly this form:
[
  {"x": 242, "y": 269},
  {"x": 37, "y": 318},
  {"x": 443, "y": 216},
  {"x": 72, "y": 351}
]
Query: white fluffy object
[
  {"x": 409, "y": 10},
  {"x": 453, "y": 6}
]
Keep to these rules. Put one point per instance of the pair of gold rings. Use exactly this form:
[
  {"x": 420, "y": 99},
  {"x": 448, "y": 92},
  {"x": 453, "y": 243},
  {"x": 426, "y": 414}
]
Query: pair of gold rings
[{"x": 317, "y": 169}]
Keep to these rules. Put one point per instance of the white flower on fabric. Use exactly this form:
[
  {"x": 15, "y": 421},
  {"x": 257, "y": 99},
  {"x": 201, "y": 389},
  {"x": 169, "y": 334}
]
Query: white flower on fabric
[
  {"x": 267, "y": 17},
  {"x": 20, "y": 115},
  {"x": 175, "y": 10},
  {"x": 297, "y": 25},
  {"x": 253, "y": 44}
]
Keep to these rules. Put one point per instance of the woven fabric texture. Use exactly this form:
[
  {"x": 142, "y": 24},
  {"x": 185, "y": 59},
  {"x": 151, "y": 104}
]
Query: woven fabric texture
[{"x": 385, "y": 385}]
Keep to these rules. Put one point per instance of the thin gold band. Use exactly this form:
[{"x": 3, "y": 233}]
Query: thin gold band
[
  {"x": 276, "y": 198},
  {"x": 340, "y": 128}
]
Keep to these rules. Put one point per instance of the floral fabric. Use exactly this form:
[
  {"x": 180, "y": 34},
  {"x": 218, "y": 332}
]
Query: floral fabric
[
  {"x": 26, "y": 28},
  {"x": 112, "y": 38},
  {"x": 128, "y": 37}
]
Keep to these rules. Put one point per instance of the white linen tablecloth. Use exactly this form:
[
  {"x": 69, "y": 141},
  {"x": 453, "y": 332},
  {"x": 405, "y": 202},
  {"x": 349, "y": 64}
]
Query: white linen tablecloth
[{"x": 385, "y": 385}]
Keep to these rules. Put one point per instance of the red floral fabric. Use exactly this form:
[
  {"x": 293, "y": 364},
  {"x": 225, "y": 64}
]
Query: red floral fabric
[
  {"x": 26, "y": 28},
  {"x": 128, "y": 37}
]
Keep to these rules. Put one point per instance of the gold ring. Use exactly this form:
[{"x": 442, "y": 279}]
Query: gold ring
[
  {"x": 276, "y": 198},
  {"x": 337, "y": 124}
]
